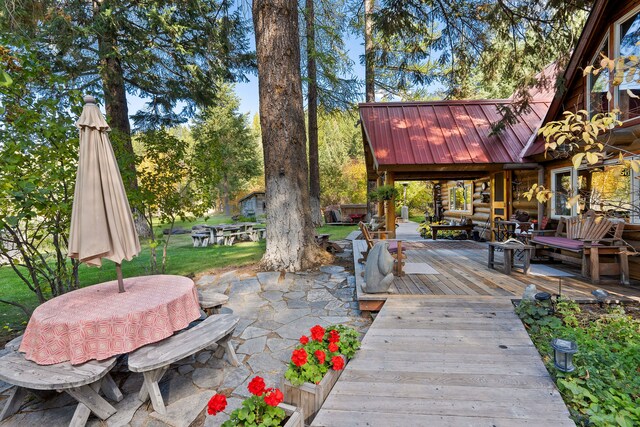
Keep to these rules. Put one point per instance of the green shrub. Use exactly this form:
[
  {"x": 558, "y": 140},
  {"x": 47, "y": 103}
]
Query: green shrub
[{"x": 604, "y": 390}]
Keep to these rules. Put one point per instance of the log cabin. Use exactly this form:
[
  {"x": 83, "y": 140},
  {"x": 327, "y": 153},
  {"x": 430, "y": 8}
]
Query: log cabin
[{"x": 482, "y": 176}]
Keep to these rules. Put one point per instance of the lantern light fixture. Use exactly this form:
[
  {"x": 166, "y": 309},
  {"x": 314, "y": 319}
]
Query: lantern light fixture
[{"x": 563, "y": 351}]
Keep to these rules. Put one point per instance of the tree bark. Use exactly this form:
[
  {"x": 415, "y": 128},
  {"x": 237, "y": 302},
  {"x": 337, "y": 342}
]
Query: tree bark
[
  {"x": 117, "y": 111},
  {"x": 312, "y": 114},
  {"x": 369, "y": 69},
  {"x": 225, "y": 195},
  {"x": 370, "y": 90},
  {"x": 290, "y": 234}
]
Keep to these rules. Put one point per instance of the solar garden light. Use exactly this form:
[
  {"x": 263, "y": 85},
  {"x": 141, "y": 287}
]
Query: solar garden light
[
  {"x": 601, "y": 296},
  {"x": 544, "y": 299},
  {"x": 563, "y": 352}
]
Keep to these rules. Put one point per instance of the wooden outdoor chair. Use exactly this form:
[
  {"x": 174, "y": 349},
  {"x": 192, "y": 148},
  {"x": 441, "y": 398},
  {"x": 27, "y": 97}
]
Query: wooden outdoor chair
[{"x": 395, "y": 246}]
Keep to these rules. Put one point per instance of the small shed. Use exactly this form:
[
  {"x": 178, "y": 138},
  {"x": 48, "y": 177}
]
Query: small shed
[{"x": 253, "y": 204}]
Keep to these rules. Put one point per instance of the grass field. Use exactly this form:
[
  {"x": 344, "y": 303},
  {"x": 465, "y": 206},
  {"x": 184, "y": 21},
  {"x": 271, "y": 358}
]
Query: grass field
[{"x": 183, "y": 259}]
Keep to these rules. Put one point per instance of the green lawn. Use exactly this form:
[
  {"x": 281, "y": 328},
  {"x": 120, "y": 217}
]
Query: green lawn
[
  {"x": 183, "y": 259},
  {"x": 337, "y": 232}
]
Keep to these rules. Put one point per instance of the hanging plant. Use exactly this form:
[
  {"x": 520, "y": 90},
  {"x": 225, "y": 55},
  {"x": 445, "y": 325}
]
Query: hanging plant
[{"x": 384, "y": 192}]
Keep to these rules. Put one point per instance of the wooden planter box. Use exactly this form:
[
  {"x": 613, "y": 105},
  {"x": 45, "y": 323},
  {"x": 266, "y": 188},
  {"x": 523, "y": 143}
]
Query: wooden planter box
[
  {"x": 310, "y": 397},
  {"x": 296, "y": 417}
]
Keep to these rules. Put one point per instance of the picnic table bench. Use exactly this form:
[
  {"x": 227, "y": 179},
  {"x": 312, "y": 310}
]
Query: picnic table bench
[
  {"x": 154, "y": 359},
  {"x": 200, "y": 239},
  {"x": 437, "y": 227},
  {"x": 82, "y": 382},
  {"x": 211, "y": 301}
]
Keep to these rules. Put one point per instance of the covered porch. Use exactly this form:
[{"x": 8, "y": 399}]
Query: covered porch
[{"x": 477, "y": 175}]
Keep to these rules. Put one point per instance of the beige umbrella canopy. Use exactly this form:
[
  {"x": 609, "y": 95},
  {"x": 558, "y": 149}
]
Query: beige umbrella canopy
[{"x": 101, "y": 221}]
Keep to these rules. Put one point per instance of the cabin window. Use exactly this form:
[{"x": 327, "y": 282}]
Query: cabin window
[
  {"x": 599, "y": 85},
  {"x": 627, "y": 37},
  {"x": 563, "y": 189},
  {"x": 460, "y": 198},
  {"x": 610, "y": 189}
]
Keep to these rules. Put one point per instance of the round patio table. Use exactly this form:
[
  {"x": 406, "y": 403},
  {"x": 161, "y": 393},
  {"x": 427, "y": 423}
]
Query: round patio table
[{"x": 97, "y": 322}]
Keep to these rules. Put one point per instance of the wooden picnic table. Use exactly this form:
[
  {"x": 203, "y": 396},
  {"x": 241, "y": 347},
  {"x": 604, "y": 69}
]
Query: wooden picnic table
[{"x": 97, "y": 322}]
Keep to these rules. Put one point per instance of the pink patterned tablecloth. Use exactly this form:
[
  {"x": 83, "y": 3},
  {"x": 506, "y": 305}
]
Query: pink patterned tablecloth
[{"x": 97, "y": 322}]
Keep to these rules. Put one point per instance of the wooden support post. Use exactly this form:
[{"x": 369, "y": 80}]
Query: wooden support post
[
  {"x": 110, "y": 389},
  {"x": 391, "y": 209},
  {"x": 380, "y": 202},
  {"x": 92, "y": 400},
  {"x": 14, "y": 402}
]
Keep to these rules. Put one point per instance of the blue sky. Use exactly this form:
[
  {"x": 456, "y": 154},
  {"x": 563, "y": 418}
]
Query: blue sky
[{"x": 248, "y": 92}]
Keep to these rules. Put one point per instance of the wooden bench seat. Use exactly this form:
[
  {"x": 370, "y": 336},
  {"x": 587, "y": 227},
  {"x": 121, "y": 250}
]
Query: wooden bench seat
[
  {"x": 211, "y": 301},
  {"x": 437, "y": 227},
  {"x": 153, "y": 360},
  {"x": 200, "y": 239},
  {"x": 583, "y": 240},
  {"x": 14, "y": 344},
  {"x": 82, "y": 382}
]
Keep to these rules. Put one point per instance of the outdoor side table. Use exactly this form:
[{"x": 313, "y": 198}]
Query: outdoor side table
[{"x": 509, "y": 251}]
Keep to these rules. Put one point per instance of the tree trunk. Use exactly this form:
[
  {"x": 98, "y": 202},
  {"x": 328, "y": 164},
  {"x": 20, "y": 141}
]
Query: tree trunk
[
  {"x": 369, "y": 78},
  {"x": 290, "y": 234},
  {"x": 117, "y": 111},
  {"x": 225, "y": 194},
  {"x": 369, "y": 72},
  {"x": 312, "y": 113}
]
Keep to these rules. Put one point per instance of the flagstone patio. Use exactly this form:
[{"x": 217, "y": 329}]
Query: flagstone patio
[{"x": 274, "y": 309}]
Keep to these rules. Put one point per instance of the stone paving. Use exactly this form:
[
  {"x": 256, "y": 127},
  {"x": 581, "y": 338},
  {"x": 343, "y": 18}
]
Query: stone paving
[{"x": 275, "y": 310}]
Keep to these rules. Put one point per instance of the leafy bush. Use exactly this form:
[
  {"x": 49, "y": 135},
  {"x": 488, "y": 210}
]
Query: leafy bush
[
  {"x": 604, "y": 389},
  {"x": 384, "y": 192}
]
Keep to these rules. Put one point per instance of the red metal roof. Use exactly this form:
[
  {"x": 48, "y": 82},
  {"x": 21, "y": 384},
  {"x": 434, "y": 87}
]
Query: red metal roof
[{"x": 446, "y": 132}]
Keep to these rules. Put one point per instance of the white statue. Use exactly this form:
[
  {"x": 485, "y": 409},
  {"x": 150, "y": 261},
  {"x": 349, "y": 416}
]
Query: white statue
[
  {"x": 529, "y": 293},
  {"x": 378, "y": 271}
]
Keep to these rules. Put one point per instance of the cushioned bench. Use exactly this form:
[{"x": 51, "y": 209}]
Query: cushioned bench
[
  {"x": 153, "y": 360},
  {"x": 583, "y": 241}
]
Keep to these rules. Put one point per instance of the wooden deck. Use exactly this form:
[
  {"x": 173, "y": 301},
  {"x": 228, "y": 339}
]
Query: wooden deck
[
  {"x": 462, "y": 270},
  {"x": 445, "y": 361}
]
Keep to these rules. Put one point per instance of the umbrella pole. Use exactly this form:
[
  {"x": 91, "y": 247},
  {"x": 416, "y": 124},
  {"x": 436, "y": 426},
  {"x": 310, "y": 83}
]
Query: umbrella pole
[{"x": 119, "y": 273}]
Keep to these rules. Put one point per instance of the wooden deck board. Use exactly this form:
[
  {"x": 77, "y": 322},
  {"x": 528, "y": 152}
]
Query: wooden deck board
[
  {"x": 462, "y": 268},
  {"x": 446, "y": 361}
]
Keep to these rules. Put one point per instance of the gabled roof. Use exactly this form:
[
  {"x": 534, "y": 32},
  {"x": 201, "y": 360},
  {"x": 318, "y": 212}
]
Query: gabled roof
[
  {"x": 445, "y": 132},
  {"x": 253, "y": 193},
  {"x": 595, "y": 19}
]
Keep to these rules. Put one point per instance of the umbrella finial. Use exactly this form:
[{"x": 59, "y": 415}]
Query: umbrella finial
[{"x": 89, "y": 99}]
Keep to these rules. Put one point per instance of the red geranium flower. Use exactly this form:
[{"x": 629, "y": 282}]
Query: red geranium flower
[
  {"x": 334, "y": 336},
  {"x": 256, "y": 386},
  {"x": 273, "y": 397},
  {"x": 317, "y": 333},
  {"x": 304, "y": 339},
  {"x": 337, "y": 362},
  {"x": 321, "y": 356},
  {"x": 333, "y": 347},
  {"x": 299, "y": 357},
  {"x": 216, "y": 404}
]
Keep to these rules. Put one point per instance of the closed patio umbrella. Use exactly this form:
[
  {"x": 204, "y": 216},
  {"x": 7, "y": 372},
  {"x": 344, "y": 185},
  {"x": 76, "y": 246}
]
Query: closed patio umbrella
[{"x": 101, "y": 221}]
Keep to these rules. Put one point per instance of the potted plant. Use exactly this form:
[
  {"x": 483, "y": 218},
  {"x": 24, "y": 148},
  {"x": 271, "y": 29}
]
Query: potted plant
[
  {"x": 316, "y": 364},
  {"x": 264, "y": 408},
  {"x": 384, "y": 193}
]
